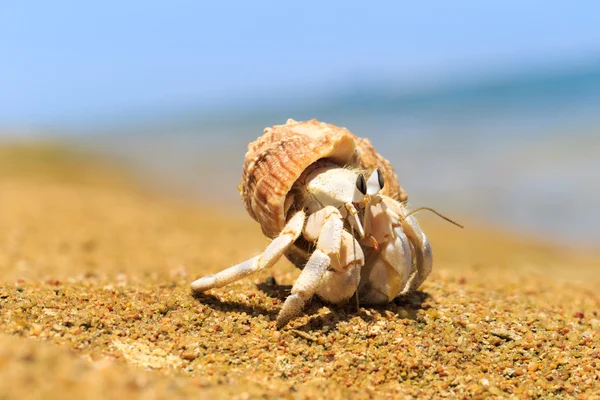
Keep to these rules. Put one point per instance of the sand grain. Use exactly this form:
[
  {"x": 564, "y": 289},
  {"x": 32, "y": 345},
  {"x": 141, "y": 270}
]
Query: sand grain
[{"x": 95, "y": 300}]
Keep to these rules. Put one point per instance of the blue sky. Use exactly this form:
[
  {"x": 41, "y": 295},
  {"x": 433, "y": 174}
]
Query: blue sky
[{"x": 66, "y": 60}]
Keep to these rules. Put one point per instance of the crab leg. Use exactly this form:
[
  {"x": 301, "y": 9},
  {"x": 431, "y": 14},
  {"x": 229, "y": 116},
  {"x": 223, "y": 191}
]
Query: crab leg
[
  {"x": 341, "y": 280},
  {"x": 326, "y": 225},
  {"x": 305, "y": 286},
  {"x": 398, "y": 254},
  {"x": 389, "y": 272},
  {"x": 423, "y": 254},
  {"x": 272, "y": 253},
  {"x": 421, "y": 247}
]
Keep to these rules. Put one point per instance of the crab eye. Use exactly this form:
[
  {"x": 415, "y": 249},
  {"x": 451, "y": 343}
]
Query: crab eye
[
  {"x": 380, "y": 178},
  {"x": 361, "y": 184},
  {"x": 375, "y": 183}
]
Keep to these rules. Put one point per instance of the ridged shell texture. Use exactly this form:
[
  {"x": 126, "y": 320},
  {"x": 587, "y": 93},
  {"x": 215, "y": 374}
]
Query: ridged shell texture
[{"x": 277, "y": 159}]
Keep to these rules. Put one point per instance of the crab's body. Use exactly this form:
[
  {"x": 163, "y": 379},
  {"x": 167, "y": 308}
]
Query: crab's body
[{"x": 304, "y": 182}]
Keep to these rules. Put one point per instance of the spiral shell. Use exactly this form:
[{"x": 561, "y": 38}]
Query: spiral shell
[{"x": 277, "y": 159}]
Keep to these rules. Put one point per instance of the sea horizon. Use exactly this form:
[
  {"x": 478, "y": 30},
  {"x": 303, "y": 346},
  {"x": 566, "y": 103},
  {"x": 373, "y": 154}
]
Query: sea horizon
[{"x": 519, "y": 152}]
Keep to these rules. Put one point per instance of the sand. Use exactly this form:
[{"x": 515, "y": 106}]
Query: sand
[{"x": 95, "y": 302}]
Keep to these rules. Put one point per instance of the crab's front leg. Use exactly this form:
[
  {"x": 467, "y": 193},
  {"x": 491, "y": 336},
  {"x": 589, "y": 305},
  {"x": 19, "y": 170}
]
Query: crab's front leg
[
  {"x": 388, "y": 269},
  {"x": 326, "y": 227},
  {"x": 421, "y": 246},
  {"x": 341, "y": 280},
  {"x": 423, "y": 253},
  {"x": 272, "y": 253}
]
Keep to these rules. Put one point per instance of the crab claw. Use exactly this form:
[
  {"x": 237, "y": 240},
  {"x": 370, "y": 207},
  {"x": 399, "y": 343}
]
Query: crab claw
[
  {"x": 422, "y": 253},
  {"x": 387, "y": 273}
]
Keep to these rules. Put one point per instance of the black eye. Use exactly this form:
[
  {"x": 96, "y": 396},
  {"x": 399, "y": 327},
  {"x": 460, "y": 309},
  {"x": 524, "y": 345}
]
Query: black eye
[
  {"x": 380, "y": 179},
  {"x": 361, "y": 185}
]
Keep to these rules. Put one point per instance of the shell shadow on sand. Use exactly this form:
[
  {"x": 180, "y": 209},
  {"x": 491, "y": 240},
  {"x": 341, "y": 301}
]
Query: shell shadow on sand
[
  {"x": 227, "y": 306},
  {"x": 404, "y": 307}
]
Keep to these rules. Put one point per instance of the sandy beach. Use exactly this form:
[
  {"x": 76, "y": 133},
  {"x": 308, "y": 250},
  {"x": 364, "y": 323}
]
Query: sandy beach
[{"x": 95, "y": 303}]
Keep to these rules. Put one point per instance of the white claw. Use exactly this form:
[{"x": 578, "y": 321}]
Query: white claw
[
  {"x": 265, "y": 260},
  {"x": 225, "y": 277}
]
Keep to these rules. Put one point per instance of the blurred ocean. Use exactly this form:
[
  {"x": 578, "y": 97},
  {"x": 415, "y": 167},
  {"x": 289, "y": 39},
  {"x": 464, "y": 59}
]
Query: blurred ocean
[{"x": 521, "y": 152}]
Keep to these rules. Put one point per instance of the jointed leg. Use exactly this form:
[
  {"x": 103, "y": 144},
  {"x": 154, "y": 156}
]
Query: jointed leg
[
  {"x": 272, "y": 253},
  {"x": 304, "y": 287},
  {"x": 410, "y": 233},
  {"x": 423, "y": 254},
  {"x": 398, "y": 255},
  {"x": 341, "y": 280},
  {"x": 325, "y": 227},
  {"x": 388, "y": 273},
  {"x": 420, "y": 245}
]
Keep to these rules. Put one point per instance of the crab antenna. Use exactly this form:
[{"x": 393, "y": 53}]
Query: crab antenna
[{"x": 433, "y": 211}]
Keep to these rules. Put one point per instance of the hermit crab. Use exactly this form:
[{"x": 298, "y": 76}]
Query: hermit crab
[{"x": 334, "y": 208}]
